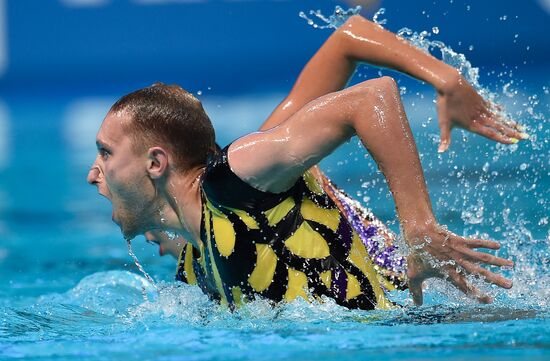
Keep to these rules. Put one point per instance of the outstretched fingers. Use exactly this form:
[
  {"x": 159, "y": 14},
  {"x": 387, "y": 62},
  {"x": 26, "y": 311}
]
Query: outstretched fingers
[
  {"x": 481, "y": 243},
  {"x": 493, "y": 134},
  {"x": 415, "y": 288},
  {"x": 496, "y": 112},
  {"x": 489, "y": 276},
  {"x": 460, "y": 282},
  {"x": 496, "y": 128},
  {"x": 508, "y": 128},
  {"x": 486, "y": 258}
]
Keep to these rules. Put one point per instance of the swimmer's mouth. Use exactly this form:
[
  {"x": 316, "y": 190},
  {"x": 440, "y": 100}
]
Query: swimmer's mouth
[{"x": 103, "y": 195}]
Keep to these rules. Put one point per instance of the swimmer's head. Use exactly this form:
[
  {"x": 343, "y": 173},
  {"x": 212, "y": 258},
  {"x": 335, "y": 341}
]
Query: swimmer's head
[
  {"x": 171, "y": 116},
  {"x": 145, "y": 136}
]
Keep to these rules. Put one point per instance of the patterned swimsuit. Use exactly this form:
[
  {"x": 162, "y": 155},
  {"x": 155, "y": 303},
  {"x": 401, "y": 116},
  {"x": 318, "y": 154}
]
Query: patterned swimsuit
[{"x": 299, "y": 243}]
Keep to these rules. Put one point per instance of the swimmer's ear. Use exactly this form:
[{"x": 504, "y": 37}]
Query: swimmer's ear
[{"x": 157, "y": 162}]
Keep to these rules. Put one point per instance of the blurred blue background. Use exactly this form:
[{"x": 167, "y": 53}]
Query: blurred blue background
[{"x": 85, "y": 46}]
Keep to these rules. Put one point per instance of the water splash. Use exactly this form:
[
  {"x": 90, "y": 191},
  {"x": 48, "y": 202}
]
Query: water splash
[
  {"x": 502, "y": 193},
  {"x": 419, "y": 39},
  {"x": 474, "y": 213},
  {"x": 449, "y": 56},
  {"x": 107, "y": 293},
  {"x": 116, "y": 293},
  {"x": 377, "y": 14},
  {"x": 334, "y": 21},
  {"x": 172, "y": 236},
  {"x": 83, "y": 323},
  {"x": 140, "y": 267}
]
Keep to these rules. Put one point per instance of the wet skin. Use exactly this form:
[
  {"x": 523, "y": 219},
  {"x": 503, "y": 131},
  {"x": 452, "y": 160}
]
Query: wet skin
[{"x": 315, "y": 118}]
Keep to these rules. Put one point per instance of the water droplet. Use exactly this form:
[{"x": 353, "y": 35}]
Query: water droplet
[
  {"x": 334, "y": 21},
  {"x": 473, "y": 214},
  {"x": 139, "y": 266},
  {"x": 171, "y": 235},
  {"x": 378, "y": 14},
  {"x": 435, "y": 30}
]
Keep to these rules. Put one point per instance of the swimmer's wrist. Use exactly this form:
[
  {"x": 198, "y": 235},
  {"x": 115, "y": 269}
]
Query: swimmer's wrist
[
  {"x": 447, "y": 80},
  {"x": 418, "y": 226},
  {"x": 416, "y": 216}
]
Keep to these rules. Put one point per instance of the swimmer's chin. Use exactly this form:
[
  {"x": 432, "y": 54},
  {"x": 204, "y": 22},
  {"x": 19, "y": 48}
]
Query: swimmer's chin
[
  {"x": 128, "y": 234},
  {"x": 129, "y": 229},
  {"x": 125, "y": 233},
  {"x": 115, "y": 221}
]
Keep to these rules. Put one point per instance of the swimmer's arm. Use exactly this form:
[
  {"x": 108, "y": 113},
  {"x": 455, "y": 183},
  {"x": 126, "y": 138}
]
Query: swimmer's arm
[
  {"x": 273, "y": 160},
  {"x": 360, "y": 40}
]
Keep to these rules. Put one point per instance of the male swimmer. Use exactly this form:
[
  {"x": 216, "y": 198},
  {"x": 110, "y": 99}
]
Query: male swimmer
[{"x": 260, "y": 218}]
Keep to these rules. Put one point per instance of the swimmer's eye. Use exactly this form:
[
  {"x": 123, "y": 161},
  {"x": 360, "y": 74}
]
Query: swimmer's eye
[{"x": 104, "y": 153}]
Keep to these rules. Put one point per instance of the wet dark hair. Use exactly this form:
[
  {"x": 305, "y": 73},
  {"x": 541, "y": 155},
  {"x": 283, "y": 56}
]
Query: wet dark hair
[{"x": 172, "y": 116}]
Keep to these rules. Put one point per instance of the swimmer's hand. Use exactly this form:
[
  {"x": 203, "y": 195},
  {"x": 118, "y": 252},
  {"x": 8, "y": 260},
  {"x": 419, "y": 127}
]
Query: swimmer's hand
[
  {"x": 437, "y": 252},
  {"x": 458, "y": 104}
]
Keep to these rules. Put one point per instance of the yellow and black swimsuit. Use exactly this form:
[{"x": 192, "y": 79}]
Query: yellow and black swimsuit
[{"x": 281, "y": 246}]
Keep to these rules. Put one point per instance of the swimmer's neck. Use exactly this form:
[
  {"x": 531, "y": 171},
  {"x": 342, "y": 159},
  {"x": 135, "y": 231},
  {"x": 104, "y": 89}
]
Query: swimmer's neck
[{"x": 182, "y": 210}]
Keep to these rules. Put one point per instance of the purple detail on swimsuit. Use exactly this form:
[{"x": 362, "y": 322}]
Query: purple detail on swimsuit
[
  {"x": 382, "y": 255},
  {"x": 339, "y": 283},
  {"x": 370, "y": 231},
  {"x": 344, "y": 231}
]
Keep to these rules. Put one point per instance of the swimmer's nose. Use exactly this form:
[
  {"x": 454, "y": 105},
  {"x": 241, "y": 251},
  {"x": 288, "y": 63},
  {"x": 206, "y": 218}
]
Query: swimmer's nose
[{"x": 93, "y": 175}]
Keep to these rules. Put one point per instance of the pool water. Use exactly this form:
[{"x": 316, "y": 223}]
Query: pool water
[{"x": 69, "y": 290}]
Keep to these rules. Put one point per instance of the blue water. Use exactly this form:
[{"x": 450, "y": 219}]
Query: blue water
[{"x": 69, "y": 290}]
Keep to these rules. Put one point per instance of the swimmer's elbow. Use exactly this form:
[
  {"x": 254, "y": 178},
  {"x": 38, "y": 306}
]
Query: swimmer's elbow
[
  {"x": 353, "y": 21},
  {"x": 364, "y": 96},
  {"x": 376, "y": 108},
  {"x": 354, "y": 24}
]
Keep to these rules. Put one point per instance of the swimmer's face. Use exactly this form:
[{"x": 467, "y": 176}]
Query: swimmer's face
[{"x": 120, "y": 174}]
